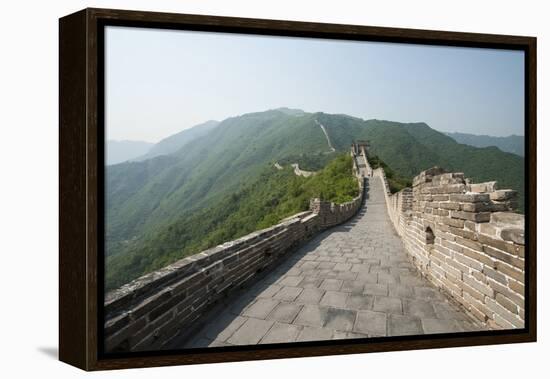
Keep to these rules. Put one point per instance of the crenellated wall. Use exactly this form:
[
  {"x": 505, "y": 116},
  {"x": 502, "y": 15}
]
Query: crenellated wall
[
  {"x": 149, "y": 312},
  {"x": 330, "y": 214},
  {"x": 466, "y": 240}
]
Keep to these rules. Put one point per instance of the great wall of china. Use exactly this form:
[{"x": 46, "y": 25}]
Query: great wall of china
[{"x": 460, "y": 238}]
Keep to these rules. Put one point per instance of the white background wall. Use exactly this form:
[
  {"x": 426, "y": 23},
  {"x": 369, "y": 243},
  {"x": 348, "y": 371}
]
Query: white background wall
[{"x": 28, "y": 159}]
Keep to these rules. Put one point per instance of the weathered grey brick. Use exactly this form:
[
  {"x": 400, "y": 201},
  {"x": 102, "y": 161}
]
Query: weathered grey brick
[
  {"x": 515, "y": 235},
  {"x": 472, "y": 292},
  {"x": 495, "y": 275},
  {"x": 476, "y": 207},
  {"x": 464, "y": 233},
  {"x": 483, "y": 187},
  {"x": 456, "y": 222},
  {"x": 470, "y": 197},
  {"x": 472, "y": 216},
  {"x": 472, "y": 263},
  {"x": 517, "y": 287},
  {"x": 504, "y": 313},
  {"x": 504, "y": 257},
  {"x": 474, "y": 245},
  {"x": 510, "y": 271},
  {"x": 479, "y": 257},
  {"x": 499, "y": 244},
  {"x": 506, "y": 303},
  {"x": 449, "y": 205},
  {"x": 481, "y": 287},
  {"x": 501, "y": 195},
  {"x": 506, "y": 291}
]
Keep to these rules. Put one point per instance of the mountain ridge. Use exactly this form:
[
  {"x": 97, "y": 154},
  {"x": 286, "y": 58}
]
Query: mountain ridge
[
  {"x": 176, "y": 141},
  {"x": 118, "y": 151},
  {"x": 511, "y": 144}
]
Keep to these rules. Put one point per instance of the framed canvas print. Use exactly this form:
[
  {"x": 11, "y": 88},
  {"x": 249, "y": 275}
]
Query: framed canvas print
[{"x": 237, "y": 189}]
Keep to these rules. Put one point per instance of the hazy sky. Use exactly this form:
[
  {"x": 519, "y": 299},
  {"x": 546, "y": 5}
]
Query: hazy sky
[{"x": 159, "y": 82}]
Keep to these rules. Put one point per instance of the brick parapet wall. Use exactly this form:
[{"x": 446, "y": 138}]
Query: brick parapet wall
[
  {"x": 331, "y": 214},
  {"x": 464, "y": 237},
  {"x": 149, "y": 312}
]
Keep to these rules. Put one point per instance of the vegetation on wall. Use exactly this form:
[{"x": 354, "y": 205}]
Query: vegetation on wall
[{"x": 309, "y": 162}]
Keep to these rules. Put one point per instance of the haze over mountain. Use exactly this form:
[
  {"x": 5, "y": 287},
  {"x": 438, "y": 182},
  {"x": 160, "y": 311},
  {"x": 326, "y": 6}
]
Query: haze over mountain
[
  {"x": 176, "y": 141},
  {"x": 224, "y": 184},
  {"x": 122, "y": 151},
  {"x": 511, "y": 144}
]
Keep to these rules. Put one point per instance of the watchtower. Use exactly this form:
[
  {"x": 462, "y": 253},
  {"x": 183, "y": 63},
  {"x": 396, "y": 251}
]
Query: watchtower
[{"x": 357, "y": 146}]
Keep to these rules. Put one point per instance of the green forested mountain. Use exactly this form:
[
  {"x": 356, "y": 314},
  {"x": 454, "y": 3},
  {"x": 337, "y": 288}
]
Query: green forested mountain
[
  {"x": 231, "y": 155},
  {"x": 223, "y": 184},
  {"x": 274, "y": 195},
  {"x": 511, "y": 144}
]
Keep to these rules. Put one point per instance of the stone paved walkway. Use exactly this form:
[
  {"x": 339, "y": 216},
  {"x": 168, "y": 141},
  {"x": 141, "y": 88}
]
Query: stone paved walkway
[{"x": 352, "y": 281}]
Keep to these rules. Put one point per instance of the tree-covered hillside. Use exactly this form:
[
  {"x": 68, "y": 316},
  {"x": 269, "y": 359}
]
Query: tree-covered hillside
[
  {"x": 215, "y": 164},
  {"x": 275, "y": 194}
]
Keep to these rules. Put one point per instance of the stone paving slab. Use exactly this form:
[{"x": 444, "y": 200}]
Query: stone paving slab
[
  {"x": 281, "y": 332},
  {"x": 371, "y": 323},
  {"x": 340, "y": 319},
  {"x": 352, "y": 281},
  {"x": 251, "y": 332},
  {"x": 309, "y": 333},
  {"x": 285, "y": 312},
  {"x": 260, "y": 308}
]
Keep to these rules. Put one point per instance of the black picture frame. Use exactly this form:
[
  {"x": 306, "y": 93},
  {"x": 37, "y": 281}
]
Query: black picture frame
[{"x": 81, "y": 162}]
